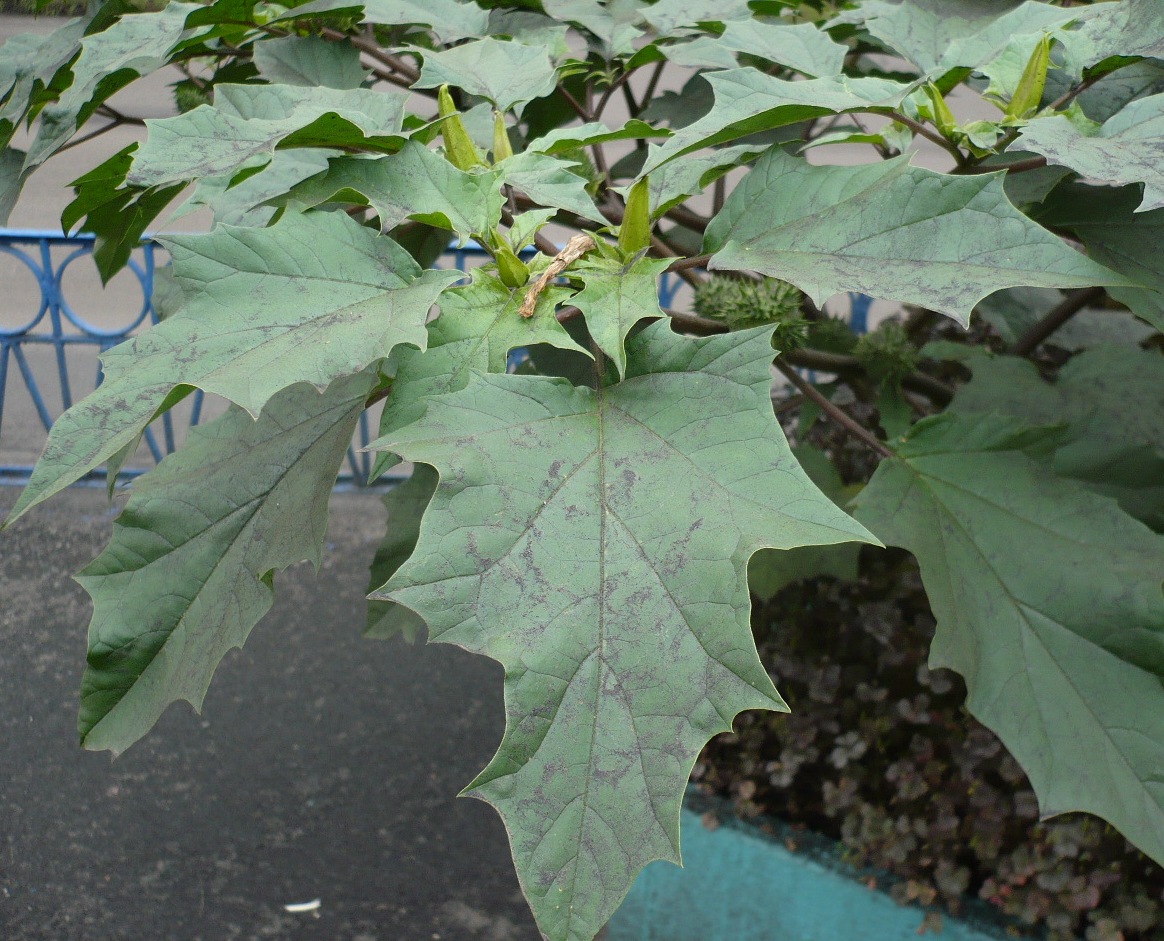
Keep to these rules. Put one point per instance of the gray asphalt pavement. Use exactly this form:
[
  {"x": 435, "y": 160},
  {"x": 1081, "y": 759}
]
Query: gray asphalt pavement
[{"x": 324, "y": 766}]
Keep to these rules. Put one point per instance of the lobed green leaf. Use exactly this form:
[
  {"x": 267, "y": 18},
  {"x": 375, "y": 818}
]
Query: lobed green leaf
[
  {"x": 134, "y": 45},
  {"x": 550, "y": 181},
  {"x": 940, "y": 35},
  {"x": 890, "y": 230},
  {"x": 405, "y": 505},
  {"x": 11, "y": 180},
  {"x": 669, "y": 16},
  {"x": 616, "y": 297},
  {"x": 621, "y": 619},
  {"x": 1115, "y": 450},
  {"x": 311, "y": 299},
  {"x": 748, "y": 101},
  {"x": 509, "y": 74},
  {"x": 1117, "y": 31},
  {"x": 450, "y": 20},
  {"x": 190, "y": 568},
  {"x": 615, "y": 25},
  {"x": 1119, "y": 236},
  {"x": 1048, "y": 600},
  {"x": 250, "y": 121},
  {"x": 478, "y": 327},
  {"x": 309, "y": 61},
  {"x": 1127, "y": 148},
  {"x": 416, "y": 183},
  {"x": 770, "y": 570}
]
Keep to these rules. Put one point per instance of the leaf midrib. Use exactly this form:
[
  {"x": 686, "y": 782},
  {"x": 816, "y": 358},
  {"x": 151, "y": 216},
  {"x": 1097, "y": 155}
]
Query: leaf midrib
[
  {"x": 1032, "y": 632},
  {"x": 255, "y": 505}
]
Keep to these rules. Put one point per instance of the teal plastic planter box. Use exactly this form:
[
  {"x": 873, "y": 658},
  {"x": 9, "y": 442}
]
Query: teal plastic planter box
[{"x": 740, "y": 883}]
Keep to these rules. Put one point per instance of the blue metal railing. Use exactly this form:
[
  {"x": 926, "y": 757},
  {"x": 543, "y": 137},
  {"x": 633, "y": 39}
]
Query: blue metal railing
[{"x": 58, "y": 327}]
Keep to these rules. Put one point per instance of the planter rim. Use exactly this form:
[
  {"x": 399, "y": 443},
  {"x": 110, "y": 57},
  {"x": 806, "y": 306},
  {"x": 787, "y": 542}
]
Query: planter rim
[{"x": 763, "y": 878}]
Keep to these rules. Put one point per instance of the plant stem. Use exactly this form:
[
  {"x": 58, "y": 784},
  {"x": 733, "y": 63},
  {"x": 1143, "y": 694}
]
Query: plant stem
[
  {"x": 115, "y": 115},
  {"x": 633, "y": 108},
  {"x": 599, "y": 363},
  {"x": 600, "y": 163},
  {"x": 695, "y": 261},
  {"x": 934, "y": 389},
  {"x": 391, "y": 77},
  {"x": 574, "y": 103},
  {"x": 834, "y": 412},
  {"x": 685, "y": 217},
  {"x": 1056, "y": 317},
  {"x": 614, "y": 86},
  {"x": 789, "y": 404},
  {"x": 85, "y": 138},
  {"x": 932, "y": 136},
  {"x": 693, "y": 323},
  {"x": 378, "y": 396},
  {"x": 544, "y": 245},
  {"x": 1019, "y": 166},
  {"x": 375, "y": 51},
  {"x": 663, "y": 247},
  {"x": 1072, "y": 93}
]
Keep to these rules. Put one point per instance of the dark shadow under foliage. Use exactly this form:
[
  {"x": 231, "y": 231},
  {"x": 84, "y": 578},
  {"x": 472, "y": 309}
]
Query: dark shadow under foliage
[{"x": 880, "y": 754}]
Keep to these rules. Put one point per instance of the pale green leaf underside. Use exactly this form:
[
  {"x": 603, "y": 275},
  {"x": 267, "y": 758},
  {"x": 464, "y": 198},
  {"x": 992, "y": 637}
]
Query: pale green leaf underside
[
  {"x": 1108, "y": 95},
  {"x": 479, "y": 325},
  {"x": 616, "y": 24},
  {"x": 939, "y": 35},
  {"x": 801, "y": 47},
  {"x": 533, "y": 29},
  {"x": 1127, "y": 28},
  {"x": 621, "y": 619},
  {"x": 667, "y": 16},
  {"x": 703, "y": 52},
  {"x": 1128, "y": 148},
  {"x": 769, "y": 570},
  {"x": 405, "y": 505},
  {"x": 549, "y": 181},
  {"x": 137, "y": 44},
  {"x": 29, "y": 59},
  {"x": 507, "y": 73},
  {"x": 246, "y": 203},
  {"x": 247, "y": 121},
  {"x": 675, "y": 182},
  {"x": 748, "y": 101},
  {"x": 188, "y": 572},
  {"x": 26, "y": 61},
  {"x": 890, "y": 230},
  {"x": 416, "y": 183},
  {"x": 448, "y": 19},
  {"x": 311, "y": 299},
  {"x": 1114, "y": 449},
  {"x": 1119, "y": 237},
  {"x": 308, "y": 61},
  {"x": 564, "y": 139},
  {"x": 1048, "y": 598},
  {"x": 615, "y": 298}
]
